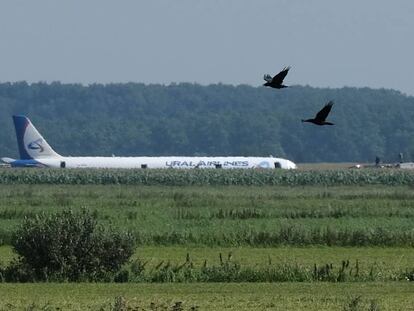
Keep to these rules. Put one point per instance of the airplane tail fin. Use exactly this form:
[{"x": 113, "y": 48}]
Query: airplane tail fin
[{"x": 31, "y": 144}]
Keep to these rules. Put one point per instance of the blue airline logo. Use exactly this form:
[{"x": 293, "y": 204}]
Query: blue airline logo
[
  {"x": 206, "y": 163},
  {"x": 36, "y": 145}
]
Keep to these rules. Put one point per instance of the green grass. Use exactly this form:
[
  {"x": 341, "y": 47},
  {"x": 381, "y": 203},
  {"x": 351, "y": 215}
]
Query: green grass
[
  {"x": 255, "y": 224},
  {"x": 228, "y": 216},
  {"x": 391, "y": 257},
  {"x": 6, "y": 254},
  {"x": 286, "y": 296},
  {"x": 388, "y": 263},
  {"x": 171, "y": 222}
]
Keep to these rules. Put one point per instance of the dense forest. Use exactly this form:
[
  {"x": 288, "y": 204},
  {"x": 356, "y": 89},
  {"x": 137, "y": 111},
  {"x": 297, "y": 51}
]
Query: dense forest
[{"x": 190, "y": 119}]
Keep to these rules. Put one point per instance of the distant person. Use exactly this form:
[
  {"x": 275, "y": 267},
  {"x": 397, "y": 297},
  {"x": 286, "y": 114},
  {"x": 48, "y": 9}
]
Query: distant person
[
  {"x": 377, "y": 161},
  {"x": 401, "y": 157}
]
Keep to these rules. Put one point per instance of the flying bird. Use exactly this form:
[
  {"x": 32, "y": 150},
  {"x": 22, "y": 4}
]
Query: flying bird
[
  {"x": 322, "y": 115},
  {"x": 277, "y": 80}
]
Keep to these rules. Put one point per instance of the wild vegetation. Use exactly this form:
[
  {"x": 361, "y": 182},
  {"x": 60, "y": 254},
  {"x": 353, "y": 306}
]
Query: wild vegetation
[
  {"x": 228, "y": 216},
  {"x": 190, "y": 119},
  {"x": 322, "y": 246},
  {"x": 231, "y": 271},
  {"x": 67, "y": 246},
  {"x": 208, "y": 177},
  {"x": 250, "y": 266},
  {"x": 215, "y": 296}
]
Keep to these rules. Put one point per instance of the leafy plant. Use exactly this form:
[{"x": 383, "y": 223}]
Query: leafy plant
[{"x": 69, "y": 246}]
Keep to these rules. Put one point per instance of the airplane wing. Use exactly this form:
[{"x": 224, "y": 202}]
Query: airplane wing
[{"x": 7, "y": 160}]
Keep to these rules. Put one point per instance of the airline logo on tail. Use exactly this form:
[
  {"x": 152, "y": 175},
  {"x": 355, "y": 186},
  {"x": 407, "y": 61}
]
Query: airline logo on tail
[
  {"x": 31, "y": 144},
  {"x": 36, "y": 145}
]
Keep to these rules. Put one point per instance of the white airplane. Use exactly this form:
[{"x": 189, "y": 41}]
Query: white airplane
[{"x": 36, "y": 152}]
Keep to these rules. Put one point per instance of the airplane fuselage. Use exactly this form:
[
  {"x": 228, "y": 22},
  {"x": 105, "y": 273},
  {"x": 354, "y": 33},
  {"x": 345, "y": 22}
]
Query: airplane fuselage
[
  {"x": 156, "y": 162},
  {"x": 36, "y": 152}
]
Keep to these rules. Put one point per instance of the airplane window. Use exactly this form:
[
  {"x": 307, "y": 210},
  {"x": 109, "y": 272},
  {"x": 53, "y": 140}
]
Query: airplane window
[
  {"x": 278, "y": 165},
  {"x": 62, "y": 164},
  {"x": 144, "y": 166}
]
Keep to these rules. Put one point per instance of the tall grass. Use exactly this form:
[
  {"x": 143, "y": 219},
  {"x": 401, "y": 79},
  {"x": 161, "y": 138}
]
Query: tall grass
[
  {"x": 283, "y": 236},
  {"x": 228, "y": 216},
  {"x": 228, "y": 270}
]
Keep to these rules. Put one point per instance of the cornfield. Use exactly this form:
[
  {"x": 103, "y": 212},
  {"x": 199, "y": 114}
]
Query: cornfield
[{"x": 171, "y": 177}]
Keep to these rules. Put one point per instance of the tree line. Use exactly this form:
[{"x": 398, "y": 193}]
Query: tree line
[{"x": 190, "y": 119}]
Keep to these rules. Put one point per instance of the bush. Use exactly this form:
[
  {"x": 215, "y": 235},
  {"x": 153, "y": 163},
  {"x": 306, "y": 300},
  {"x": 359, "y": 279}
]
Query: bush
[{"x": 69, "y": 246}]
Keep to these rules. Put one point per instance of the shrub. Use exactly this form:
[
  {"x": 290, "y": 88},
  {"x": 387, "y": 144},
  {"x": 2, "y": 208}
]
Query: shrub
[{"x": 70, "y": 246}]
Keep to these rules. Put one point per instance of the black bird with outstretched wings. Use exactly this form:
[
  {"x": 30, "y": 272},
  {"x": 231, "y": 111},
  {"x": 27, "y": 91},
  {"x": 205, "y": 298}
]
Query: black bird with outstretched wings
[
  {"x": 322, "y": 115},
  {"x": 277, "y": 80}
]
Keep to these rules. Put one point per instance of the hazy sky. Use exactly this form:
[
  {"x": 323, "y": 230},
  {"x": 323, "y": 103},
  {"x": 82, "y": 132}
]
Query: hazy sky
[{"x": 331, "y": 43}]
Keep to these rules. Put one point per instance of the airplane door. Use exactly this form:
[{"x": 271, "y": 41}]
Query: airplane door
[
  {"x": 278, "y": 165},
  {"x": 62, "y": 164}
]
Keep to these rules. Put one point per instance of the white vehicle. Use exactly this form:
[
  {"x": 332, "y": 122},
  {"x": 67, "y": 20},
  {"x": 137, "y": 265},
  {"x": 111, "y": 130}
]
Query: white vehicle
[{"x": 36, "y": 152}]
